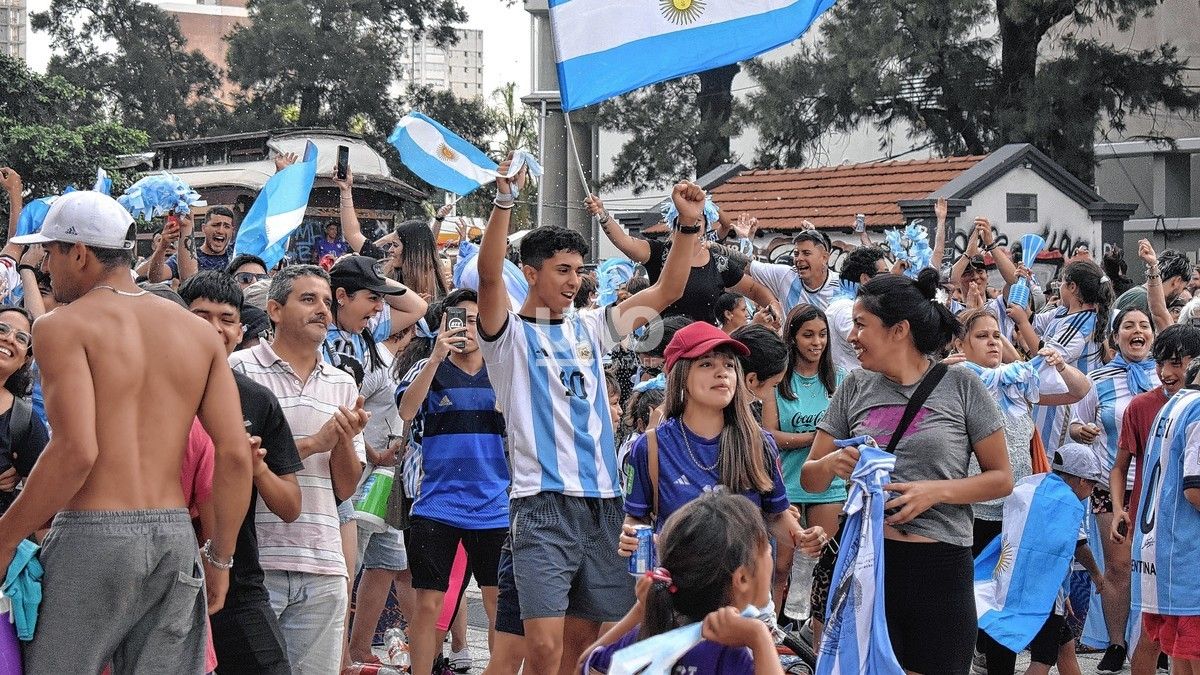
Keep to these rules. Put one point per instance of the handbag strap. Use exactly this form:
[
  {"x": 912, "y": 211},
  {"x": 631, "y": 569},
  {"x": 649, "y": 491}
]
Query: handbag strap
[
  {"x": 652, "y": 460},
  {"x": 924, "y": 389}
]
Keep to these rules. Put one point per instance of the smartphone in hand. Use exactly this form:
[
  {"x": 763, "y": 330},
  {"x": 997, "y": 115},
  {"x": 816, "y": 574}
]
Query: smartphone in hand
[
  {"x": 456, "y": 317},
  {"x": 343, "y": 161}
]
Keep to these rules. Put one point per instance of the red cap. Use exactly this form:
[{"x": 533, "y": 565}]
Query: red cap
[{"x": 698, "y": 339}]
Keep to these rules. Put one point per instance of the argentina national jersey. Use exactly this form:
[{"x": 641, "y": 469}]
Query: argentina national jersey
[
  {"x": 1166, "y": 529},
  {"x": 1070, "y": 334},
  {"x": 785, "y": 284},
  {"x": 1104, "y": 405},
  {"x": 550, "y": 387}
]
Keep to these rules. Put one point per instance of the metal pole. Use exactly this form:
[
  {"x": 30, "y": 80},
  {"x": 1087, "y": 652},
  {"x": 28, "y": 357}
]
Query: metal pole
[{"x": 542, "y": 155}]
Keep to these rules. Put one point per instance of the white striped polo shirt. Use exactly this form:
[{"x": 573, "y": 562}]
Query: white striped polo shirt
[{"x": 313, "y": 543}]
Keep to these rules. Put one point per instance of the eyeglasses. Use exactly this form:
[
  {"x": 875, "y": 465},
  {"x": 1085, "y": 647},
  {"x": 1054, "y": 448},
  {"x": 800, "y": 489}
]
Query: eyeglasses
[
  {"x": 250, "y": 277},
  {"x": 24, "y": 339}
]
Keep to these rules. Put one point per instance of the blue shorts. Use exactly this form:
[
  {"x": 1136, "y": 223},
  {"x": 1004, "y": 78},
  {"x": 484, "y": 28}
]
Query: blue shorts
[
  {"x": 382, "y": 550},
  {"x": 345, "y": 512}
]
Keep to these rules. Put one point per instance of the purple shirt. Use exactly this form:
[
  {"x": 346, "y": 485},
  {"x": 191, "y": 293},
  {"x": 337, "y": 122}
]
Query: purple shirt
[{"x": 706, "y": 657}]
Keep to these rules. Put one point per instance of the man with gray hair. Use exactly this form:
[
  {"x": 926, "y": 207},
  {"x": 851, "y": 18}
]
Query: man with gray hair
[{"x": 303, "y": 561}]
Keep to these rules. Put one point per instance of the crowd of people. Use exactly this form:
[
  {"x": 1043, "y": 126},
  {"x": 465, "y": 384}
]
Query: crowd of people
[{"x": 236, "y": 469}]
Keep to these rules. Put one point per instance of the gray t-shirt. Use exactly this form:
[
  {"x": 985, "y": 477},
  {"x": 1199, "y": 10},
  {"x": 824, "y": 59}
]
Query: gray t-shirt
[{"x": 938, "y": 444}]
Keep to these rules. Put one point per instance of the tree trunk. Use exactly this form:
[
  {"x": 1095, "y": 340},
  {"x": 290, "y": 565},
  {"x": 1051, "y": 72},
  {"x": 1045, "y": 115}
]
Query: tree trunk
[
  {"x": 716, "y": 108},
  {"x": 1018, "y": 67},
  {"x": 310, "y": 106}
]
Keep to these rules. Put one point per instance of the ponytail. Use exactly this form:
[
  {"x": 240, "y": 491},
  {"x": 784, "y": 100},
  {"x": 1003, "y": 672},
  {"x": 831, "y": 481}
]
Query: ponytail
[
  {"x": 895, "y": 298},
  {"x": 700, "y": 547},
  {"x": 1093, "y": 288}
]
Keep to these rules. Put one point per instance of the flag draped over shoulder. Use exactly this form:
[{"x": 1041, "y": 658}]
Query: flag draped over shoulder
[
  {"x": 278, "y": 210},
  {"x": 608, "y": 47},
  {"x": 1019, "y": 574},
  {"x": 856, "y": 637}
]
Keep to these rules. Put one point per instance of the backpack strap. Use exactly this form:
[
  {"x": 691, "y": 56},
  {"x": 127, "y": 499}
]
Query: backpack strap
[
  {"x": 20, "y": 427},
  {"x": 652, "y": 460},
  {"x": 924, "y": 389}
]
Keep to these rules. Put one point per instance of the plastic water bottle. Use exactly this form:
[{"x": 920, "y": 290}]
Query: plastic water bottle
[{"x": 396, "y": 644}]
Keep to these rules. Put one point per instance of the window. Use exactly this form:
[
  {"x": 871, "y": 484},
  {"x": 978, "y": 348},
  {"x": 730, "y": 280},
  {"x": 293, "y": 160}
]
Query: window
[{"x": 1022, "y": 208}]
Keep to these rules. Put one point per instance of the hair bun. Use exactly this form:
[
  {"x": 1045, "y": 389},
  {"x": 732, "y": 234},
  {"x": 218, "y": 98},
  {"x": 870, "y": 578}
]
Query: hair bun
[{"x": 928, "y": 281}]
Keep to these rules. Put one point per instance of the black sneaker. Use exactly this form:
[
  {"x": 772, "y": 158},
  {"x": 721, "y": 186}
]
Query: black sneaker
[
  {"x": 1113, "y": 660},
  {"x": 1163, "y": 665}
]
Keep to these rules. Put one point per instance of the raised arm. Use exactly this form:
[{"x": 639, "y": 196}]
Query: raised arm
[
  {"x": 941, "y": 209},
  {"x": 637, "y": 250},
  {"x": 643, "y": 306},
  {"x": 406, "y": 308},
  {"x": 16, "y": 201},
  {"x": 1004, "y": 263},
  {"x": 351, "y": 229},
  {"x": 1154, "y": 289},
  {"x": 32, "y": 295},
  {"x": 960, "y": 265},
  {"x": 493, "y": 296},
  {"x": 185, "y": 258}
]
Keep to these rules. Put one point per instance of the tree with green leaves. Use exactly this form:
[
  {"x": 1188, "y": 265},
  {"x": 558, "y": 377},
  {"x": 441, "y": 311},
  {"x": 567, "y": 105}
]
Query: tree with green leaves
[
  {"x": 927, "y": 68},
  {"x": 516, "y": 123},
  {"x": 133, "y": 54},
  {"x": 335, "y": 59},
  {"x": 54, "y": 134},
  {"x": 678, "y": 128}
]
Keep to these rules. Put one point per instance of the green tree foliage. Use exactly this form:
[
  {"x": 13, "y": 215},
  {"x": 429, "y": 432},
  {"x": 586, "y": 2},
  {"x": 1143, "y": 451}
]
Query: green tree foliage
[
  {"x": 516, "y": 123},
  {"x": 679, "y": 128},
  {"x": 132, "y": 55},
  {"x": 54, "y": 134},
  {"x": 335, "y": 59},
  {"x": 928, "y": 68}
]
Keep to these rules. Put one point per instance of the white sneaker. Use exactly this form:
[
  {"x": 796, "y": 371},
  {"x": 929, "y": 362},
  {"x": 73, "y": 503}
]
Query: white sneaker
[{"x": 460, "y": 662}]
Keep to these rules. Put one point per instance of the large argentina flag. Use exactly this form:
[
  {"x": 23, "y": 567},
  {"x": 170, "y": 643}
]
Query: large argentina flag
[
  {"x": 1019, "y": 574},
  {"x": 608, "y": 47},
  {"x": 278, "y": 210}
]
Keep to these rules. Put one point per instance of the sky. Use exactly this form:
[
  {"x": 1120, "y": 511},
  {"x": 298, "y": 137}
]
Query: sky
[{"x": 505, "y": 26}]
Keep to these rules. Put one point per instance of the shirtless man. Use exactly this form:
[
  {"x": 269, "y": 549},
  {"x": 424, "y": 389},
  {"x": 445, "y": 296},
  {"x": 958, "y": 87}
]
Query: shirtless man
[{"x": 124, "y": 374}]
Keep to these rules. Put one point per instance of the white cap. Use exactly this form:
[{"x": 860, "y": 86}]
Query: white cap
[
  {"x": 86, "y": 217},
  {"x": 1079, "y": 460}
]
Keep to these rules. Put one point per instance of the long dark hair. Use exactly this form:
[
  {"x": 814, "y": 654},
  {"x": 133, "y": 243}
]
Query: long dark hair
[
  {"x": 740, "y": 455},
  {"x": 1093, "y": 288},
  {"x": 701, "y": 546},
  {"x": 421, "y": 346},
  {"x": 20, "y": 383},
  {"x": 800, "y": 315},
  {"x": 419, "y": 266}
]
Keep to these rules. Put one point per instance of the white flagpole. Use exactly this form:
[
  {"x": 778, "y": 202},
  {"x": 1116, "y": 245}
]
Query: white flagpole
[{"x": 575, "y": 153}]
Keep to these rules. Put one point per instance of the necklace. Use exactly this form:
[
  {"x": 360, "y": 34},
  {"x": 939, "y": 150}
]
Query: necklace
[
  {"x": 688, "y": 445},
  {"x": 118, "y": 292}
]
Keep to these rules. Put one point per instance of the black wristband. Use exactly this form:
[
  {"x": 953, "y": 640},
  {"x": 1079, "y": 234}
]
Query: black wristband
[
  {"x": 694, "y": 229},
  {"x": 22, "y": 267}
]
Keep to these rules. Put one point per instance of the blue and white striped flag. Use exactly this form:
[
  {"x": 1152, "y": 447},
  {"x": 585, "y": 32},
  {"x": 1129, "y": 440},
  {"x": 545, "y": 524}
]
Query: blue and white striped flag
[
  {"x": 608, "y": 47},
  {"x": 439, "y": 157},
  {"x": 278, "y": 210},
  {"x": 1019, "y": 574},
  {"x": 856, "y": 637}
]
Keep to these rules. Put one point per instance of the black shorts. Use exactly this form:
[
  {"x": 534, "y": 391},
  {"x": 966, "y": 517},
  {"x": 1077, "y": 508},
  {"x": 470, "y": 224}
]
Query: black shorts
[
  {"x": 508, "y": 605},
  {"x": 247, "y": 640},
  {"x": 1053, "y": 634},
  {"x": 930, "y": 606},
  {"x": 432, "y": 545}
]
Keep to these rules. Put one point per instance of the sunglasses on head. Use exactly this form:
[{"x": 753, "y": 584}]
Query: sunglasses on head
[
  {"x": 249, "y": 277},
  {"x": 24, "y": 339}
]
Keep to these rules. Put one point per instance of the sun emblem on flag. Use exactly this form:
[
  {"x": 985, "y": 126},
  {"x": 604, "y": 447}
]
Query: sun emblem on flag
[
  {"x": 1005, "y": 562},
  {"x": 446, "y": 152},
  {"x": 681, "y": 12}
]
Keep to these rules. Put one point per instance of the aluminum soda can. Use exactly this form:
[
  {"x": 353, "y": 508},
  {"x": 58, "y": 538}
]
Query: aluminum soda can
[{"x": 642, "y": 560}]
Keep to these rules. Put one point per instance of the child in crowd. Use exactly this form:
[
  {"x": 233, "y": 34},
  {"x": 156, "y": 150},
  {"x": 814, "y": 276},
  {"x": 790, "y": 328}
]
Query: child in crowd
[{"x": 715, "y": 560}]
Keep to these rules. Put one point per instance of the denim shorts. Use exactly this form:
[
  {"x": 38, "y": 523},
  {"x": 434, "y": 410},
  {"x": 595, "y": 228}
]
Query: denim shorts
[{"x": 382, "y": 550}]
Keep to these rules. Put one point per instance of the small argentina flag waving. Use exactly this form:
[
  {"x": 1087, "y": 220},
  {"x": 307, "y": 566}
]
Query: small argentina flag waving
[{"x": 439, "y": 157}]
